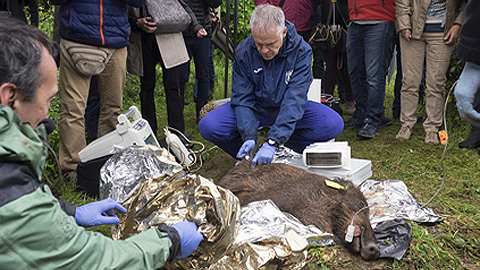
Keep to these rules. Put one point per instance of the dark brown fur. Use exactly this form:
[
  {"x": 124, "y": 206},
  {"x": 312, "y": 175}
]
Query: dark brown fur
[{"x": 306, "y": 196}]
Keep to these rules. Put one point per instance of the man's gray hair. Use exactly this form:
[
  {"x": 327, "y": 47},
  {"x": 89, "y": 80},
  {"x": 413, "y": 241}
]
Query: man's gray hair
[
  {"x": 20, "y": 56},
  {"x": 265, "y": 16}
]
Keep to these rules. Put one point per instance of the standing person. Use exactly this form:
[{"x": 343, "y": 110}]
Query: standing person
[
  {"x": 145, "y": 50},
  {"x": 94, "y": 37},
  {"x": 336, "y": 58},
  {"x": 370, "y": 43},
  {"x": 467, "y": 91},
  {"x": 271, "y": 78},
  {"x": 428, "y": 32},
  {"x": 37, "y": 231},
  {"x": 197, "y": 40}
]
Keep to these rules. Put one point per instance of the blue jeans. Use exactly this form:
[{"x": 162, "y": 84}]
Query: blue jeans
[
  {"x": 319, "y": 124},
  {"x": 211, "y": 71},
  {"x": 369, "y": 48},
  {"x": 198, "y": 49}
]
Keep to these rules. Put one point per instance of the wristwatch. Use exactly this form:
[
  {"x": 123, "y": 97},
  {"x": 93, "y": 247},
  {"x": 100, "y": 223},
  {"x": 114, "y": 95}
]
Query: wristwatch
[{"x": 272, "y": 143}]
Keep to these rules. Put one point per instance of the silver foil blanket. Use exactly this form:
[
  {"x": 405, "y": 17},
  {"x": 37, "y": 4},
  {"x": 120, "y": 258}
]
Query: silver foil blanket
[{"x": 390, "y": 199}]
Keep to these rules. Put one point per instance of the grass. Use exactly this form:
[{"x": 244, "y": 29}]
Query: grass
[{"x": 451, "y": 244}]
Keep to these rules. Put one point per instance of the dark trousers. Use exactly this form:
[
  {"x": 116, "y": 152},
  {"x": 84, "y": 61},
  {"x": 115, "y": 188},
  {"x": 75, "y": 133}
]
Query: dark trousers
[
  {"x": 336, "y": 65},
  {"x": 174, "y": 94}
]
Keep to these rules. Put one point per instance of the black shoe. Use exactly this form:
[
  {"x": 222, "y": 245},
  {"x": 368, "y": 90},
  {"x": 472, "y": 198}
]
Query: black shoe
[
  {"x": 368, "y": 131},
  {"x": 473, "y": 139},
  {"x": 354, "y": 123},
  {"x": 385, "y": 121}
]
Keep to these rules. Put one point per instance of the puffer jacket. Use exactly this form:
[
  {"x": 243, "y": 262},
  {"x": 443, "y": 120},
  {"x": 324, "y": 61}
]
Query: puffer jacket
[
  {"x": 297, "y": 12},
  {"x": 376, "y": 10},
  {"x": 35, "y": 233},
  {"x": 276, "y": 89},
  {"x": 411, "y": 14},
  {"x": 468, "y": 44},
  {"x": 201, "y": 9},
  {"x": 96, "y": 22}
]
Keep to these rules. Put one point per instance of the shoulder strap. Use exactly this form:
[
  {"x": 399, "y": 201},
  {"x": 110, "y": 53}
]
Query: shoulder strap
[{"x": 280, "y": 5}]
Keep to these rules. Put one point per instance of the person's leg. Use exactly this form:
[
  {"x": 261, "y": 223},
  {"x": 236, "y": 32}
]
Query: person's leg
[
  {"x": 318, "y": 68},
  {"x": 201, "y": 60},
  {"x": 319, "y": 123},
  {"x": 349, "y": 103},
  {"x": 151, "y": 56},
  {"x": 92, "y": 112},
  {"x": 413, "y": 55},
  {"x": 437, "y": 61},
  {"x": 378, "y": 38},
  {"x": 398, "y": 81},
  {"x": 110, "y": 84},
  {"x": 174, "y": 97},
  {"x": 469, "y": 78},
  {"x": 356, "y": 73},
  {"x": 220, "y": 127},
  {"x": 330, "y": 78},
  {"x": 73, "y": 93},
  {"x": 185, "y": 69}
]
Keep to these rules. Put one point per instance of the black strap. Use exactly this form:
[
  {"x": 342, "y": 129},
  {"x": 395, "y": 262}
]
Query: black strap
[{"x": 280, "y": 5}]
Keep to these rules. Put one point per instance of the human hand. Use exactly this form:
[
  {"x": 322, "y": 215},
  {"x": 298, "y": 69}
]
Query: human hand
[
  {"x": 264, "y": 155},
  {"x": 190, "y": 238},
  {"x": 246, "y": 149},
  {"x": 147, "y": 25},
  {"x": 202, "y": 33},
  {"x": 93, "y": 214},
  {"x": 452, "y": 34},
  {"x": 467, "y": 87},
  {"x": 406, "y": 34}
]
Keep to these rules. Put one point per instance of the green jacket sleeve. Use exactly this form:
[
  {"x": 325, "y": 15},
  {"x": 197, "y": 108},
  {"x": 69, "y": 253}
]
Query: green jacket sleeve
[{"x": 36, "y": 234}]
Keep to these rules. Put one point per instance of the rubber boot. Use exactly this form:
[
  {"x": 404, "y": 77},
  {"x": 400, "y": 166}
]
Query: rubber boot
[{"x": 473, "y": 139}]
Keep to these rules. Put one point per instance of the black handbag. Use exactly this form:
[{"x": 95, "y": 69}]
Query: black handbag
[
  {"x": 329, "y": 36},
  {"x": 169, "y": 15}
]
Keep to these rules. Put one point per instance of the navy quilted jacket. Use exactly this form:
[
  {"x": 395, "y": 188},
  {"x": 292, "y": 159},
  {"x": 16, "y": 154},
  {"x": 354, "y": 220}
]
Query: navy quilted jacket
[{"x": 96, "y": 22}]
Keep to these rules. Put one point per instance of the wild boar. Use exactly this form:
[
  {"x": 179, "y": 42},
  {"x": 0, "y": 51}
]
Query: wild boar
[{"x": 306, "y": 196}]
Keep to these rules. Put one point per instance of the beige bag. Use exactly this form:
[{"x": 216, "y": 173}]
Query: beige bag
[{"x": 87, "y": 59}]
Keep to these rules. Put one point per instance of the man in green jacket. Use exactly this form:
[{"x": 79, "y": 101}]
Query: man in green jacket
[{"x": 37, "y": 231}]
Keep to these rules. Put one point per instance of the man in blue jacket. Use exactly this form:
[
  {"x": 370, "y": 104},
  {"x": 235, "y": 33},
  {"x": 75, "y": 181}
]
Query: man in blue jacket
[
  {"x": 94, "y": 36},
  {"x": 271, "y": 78}
]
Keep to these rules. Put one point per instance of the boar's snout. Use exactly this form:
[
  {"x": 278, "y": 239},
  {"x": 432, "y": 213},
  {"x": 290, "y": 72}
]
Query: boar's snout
[
  {"x": 370, "y": 252},
  {"x": 369, "y": 249}
]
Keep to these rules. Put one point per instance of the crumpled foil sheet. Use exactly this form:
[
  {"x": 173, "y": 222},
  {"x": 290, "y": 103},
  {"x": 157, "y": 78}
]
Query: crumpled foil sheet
[
  {"x": 267, "y": 238},
  {"x": 171, "y": 199},
  {"x": 390, "y": 199},
  {"x": 127, "y": 167},
  {"x": 285, "y": 155}
]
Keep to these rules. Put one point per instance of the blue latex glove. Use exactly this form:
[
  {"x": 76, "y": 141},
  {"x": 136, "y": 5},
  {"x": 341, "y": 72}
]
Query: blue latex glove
[
  {"x": 264, "y": 155},
  {"x": 98, "y": 213},
  {"x": 246, "y": 149},
  {"x": 190, "y": 238},
  {"x": 467, "y": 87}
]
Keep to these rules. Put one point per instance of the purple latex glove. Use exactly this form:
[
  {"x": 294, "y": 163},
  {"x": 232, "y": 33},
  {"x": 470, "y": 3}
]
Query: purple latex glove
[
  {"x": 264, "y": 155},
  {"x": 190, "y": 238},
  {"x": 98, "y": 213},
  {"x": 246, "y": 149}
]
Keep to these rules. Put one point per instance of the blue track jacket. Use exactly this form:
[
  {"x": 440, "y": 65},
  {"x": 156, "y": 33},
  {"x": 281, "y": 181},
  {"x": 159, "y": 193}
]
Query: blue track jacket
[
  {"x": 96, "y": 22},
  {"x": 275, "y": 89}
]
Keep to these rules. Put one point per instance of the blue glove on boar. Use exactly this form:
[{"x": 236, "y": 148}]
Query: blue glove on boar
[
  {"x": 264, "y": 155},
  {"x": 467, "y": 88},
  {"x": 246, "y": 149},
  {"x": 190, "y": 238},
  {"x": 98, "y": 213}
]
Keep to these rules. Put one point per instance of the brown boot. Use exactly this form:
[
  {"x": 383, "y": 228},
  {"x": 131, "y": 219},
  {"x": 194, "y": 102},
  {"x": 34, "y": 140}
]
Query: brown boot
[{"x": 349, "y": 107}]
